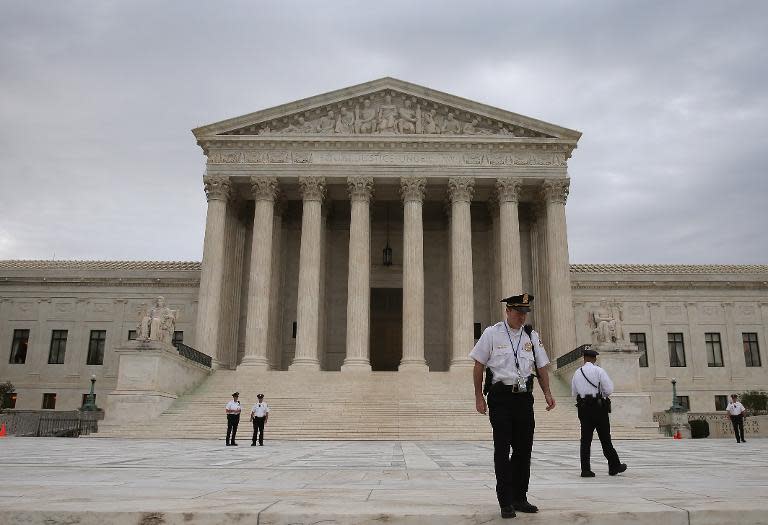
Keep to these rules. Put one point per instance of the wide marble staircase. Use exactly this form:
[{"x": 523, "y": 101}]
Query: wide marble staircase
[{"x": 353, "y": 406}]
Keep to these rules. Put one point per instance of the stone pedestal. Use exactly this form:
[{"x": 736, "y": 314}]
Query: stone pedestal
[
  {"x": 150, "y": 376},
  {"x": 629, "y": 404}
]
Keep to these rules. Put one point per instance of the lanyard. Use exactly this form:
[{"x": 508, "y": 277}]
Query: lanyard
[{"x": 514, "y": 350}]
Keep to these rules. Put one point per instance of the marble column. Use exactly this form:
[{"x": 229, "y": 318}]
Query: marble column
[
  {"x": 734, "y": 343},
  {"x": 218, "y": 191},
  {"x": 359, "y": 276},
  {"x": 413, "y": 191},
  {"x": 560, "y": 305},
  {"x": 274, "y": 354},
  {"x": 264, "y": 191},
  {"x": 308, "y": 303},
  {"x": 508, "y": 192},
  {"x": 460, "y": 191},
  {"x": 496, "y": 309},
  {"x": 541, "y": 317}
]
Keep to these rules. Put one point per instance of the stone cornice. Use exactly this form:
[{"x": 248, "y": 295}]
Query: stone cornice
[
  {"x": 145, "y": 282},
  {"x": 217, "y": 188},
  {"x": 461, "y": 189},
  {"x": 413, "y": 189},
  {"x": 360, "y": 188}
]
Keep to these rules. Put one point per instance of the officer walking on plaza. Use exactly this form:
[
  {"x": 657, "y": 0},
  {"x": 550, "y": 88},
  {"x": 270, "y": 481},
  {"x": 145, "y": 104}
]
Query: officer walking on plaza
[
  {"x": 510, "y": 352},
  {"x": 591, "y": 387},
  {"x": 736, "y": 412},
  {"x": 233, "y": 418},
  {"x": 259, "y": 416}
]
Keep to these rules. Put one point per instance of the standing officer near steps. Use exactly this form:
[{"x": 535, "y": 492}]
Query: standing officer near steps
[
  {"x": 513, "y": 353},
  {"x": 591, "y": 387},
  {"x": 233, "y": 410}
]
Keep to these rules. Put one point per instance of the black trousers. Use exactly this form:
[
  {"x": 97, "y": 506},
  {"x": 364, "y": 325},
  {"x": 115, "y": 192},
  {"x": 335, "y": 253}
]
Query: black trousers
[
  {"x": 738, "y": 427},
  {"x": 512, "y": 420},
  {"x": 258, "y": 429},
  {"x": 595, "y": 417},
  {"x": 232, "y": 421}
]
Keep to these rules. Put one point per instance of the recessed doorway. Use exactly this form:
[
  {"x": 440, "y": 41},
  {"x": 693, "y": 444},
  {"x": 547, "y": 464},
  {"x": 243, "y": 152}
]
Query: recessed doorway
[{"x": 386, "y": 328}]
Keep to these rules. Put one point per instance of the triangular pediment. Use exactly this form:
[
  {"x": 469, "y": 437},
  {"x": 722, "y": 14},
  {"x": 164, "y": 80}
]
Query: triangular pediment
[{"x": 385, "y": 107}]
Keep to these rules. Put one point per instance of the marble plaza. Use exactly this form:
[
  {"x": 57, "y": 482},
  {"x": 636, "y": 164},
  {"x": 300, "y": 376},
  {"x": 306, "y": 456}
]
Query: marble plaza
[{"x": 195, "y": 482}]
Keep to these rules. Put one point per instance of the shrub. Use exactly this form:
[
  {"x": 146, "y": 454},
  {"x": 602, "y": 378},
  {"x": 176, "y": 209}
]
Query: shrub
[
  {"x": 754, "y": 401},
  {"x": 699, "y": 428},
  {"x": 5, "y": 388}
]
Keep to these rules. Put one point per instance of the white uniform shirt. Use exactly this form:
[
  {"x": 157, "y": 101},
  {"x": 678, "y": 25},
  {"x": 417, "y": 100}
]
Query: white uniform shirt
[
  {"x": 735, "y": 409},
  {"x": 495, "y": 350},
  {"x": 234, "y": 405},
  {"x": 581, "y": 387},
  {"x": 260, "y": 410}
]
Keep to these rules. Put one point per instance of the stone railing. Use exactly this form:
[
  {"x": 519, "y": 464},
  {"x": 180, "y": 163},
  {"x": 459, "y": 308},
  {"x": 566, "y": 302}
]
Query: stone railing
[
  {"x": 37, "y": 423},
  {"x": 193, "y": 355},
  {"x": 720, "y": 424}
]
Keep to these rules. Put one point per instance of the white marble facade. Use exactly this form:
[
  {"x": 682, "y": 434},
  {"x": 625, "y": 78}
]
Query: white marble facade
[{"x": 302, "y": 199}]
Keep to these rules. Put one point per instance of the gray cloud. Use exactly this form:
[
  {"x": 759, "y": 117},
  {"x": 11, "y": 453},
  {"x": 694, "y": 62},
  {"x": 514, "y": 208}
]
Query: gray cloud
[{"x": 97, "y": 100}]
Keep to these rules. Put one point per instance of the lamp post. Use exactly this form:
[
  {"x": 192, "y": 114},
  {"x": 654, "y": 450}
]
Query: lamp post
[
  {"x": 90, "y": 401},
  {"x": 675, "y": 406}
]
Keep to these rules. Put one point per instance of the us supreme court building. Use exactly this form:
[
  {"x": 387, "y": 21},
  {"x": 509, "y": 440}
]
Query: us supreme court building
[{"x": 375, "y": 228}]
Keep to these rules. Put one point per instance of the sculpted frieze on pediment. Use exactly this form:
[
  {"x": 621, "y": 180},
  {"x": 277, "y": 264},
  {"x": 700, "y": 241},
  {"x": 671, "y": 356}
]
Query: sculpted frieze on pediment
[
  {"x": 384, "y": 113},
  {"x": 532, "y": 158}
]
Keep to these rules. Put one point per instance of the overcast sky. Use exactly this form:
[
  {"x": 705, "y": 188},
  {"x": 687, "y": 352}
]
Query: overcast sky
[{"x": 97, "y": 100}]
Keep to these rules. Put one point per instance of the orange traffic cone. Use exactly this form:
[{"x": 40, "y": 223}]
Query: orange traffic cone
[{"x": 2, "y": 431}]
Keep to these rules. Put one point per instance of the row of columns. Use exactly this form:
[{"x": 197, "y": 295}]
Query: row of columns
[{"x": 460, "y": 192}]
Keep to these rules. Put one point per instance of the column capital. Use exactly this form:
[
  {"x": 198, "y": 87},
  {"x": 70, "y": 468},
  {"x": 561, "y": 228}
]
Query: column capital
[
  {"x": 508, "y": 189},
  {"x": 556, "y": 190},
  {"x": 264, "y": 188},
  {"x": 217, "y": 187},
  {"x": 413, "y": 189},
  {"x": 461, "y": 189},
  {"x": 312, "y": 188},
  {"x": 360, "y": 188}
]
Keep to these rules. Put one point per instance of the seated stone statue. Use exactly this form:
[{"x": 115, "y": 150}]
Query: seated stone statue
[
  {"x": 157, "y": 323},
  {"x": 607, "y": 323}
]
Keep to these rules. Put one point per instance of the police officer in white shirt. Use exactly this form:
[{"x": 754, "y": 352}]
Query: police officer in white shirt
[
  {"x": 592, "y": 387},
  {"x": 736, "y": 412},
  {"x": 513, "y": 353},
  {"x": 233, "y": 418},
  {"x": 259, "y": 416}
]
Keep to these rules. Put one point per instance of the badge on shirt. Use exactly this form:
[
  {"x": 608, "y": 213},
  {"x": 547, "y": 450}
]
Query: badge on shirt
[{"x": 528, "y": 346}]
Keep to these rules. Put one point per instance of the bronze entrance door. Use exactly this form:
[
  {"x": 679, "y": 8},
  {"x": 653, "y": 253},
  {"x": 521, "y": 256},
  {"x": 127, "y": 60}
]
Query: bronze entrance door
[{"x": 386, "y": 328}]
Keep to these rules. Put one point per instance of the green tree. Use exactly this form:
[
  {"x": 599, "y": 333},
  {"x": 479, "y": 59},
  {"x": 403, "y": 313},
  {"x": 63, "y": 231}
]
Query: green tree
[
  {"x": 754, "y": 401},
  {"x": 5, "y": 388}
]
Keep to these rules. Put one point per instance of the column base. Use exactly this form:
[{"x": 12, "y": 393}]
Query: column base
[
  {"x": 305, "y": 364},
  {"x": 256, "y": 362},
  {"x": 356, "y": 365},
  {"x": 418, "y": 365},
  {"x": 462, "y": 364}
]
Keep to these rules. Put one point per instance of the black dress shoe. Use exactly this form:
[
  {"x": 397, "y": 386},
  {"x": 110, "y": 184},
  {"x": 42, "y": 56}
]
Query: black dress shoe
[
  {"x": 234, "y": 444},
  {"x": 228, "y": 445},
  {"x": 587, "y": 474},
  {"x": 253, "y": 444},
  {"x": 507, "y": 512},
  {"x": 621, "y": 468},
  {"x": 524, "y": 506}
]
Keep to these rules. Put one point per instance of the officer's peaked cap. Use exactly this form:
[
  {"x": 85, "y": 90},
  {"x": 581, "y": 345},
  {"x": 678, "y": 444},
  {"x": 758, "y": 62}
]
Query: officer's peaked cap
[
  {"x": 236, "y": 394},
  {"x": 521, "y": 303},
  {"x": 588, "y": 352}
]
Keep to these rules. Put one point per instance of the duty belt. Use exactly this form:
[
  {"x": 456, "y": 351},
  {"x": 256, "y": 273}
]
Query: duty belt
[{"x": 513, "y": 389}]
